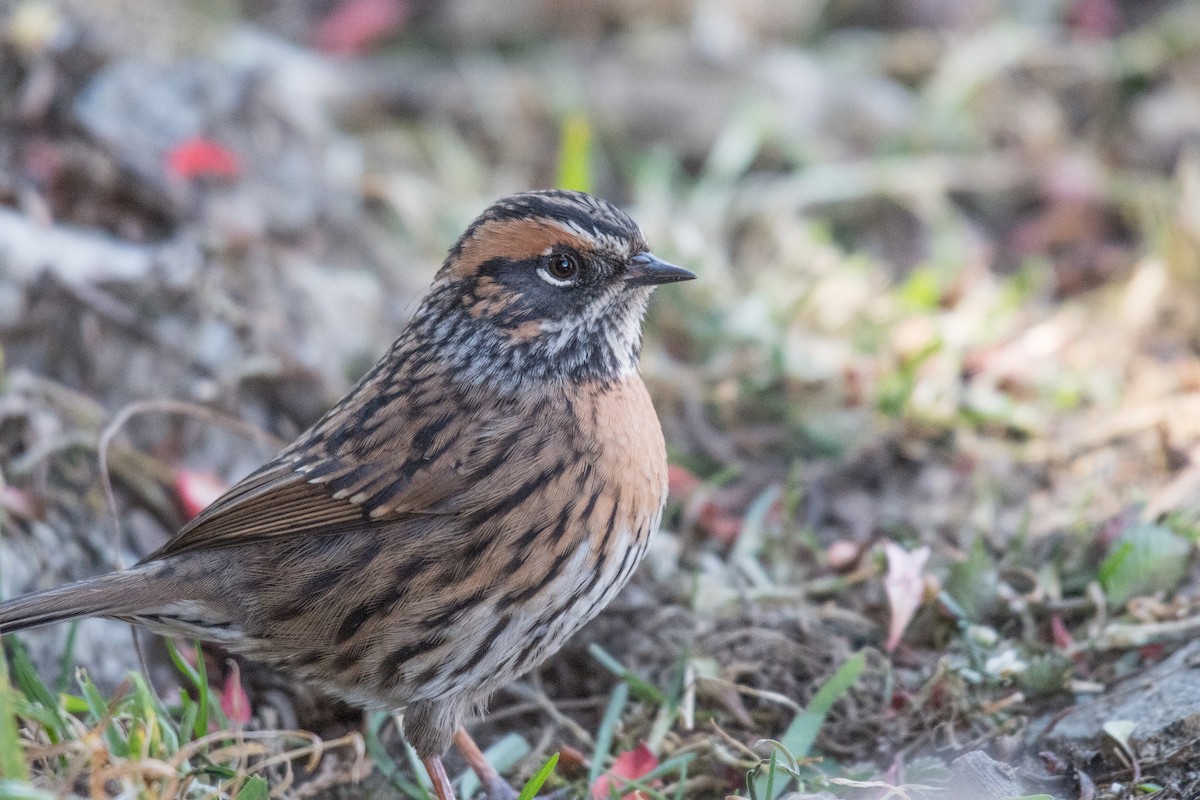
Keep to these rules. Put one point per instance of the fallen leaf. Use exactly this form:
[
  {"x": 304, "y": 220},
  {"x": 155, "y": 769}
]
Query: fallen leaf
[
  {"x": 234, "y": 700},
  {"x": 197, "y": 490},
  {"x": 718, "y": 523},
  {"x": 571, "y": 758},
  {"x": 1152, "y": 652},
  {"x": 1058, "y": 631},
  {"x": 1095, "y": 19},
  {"x": 631, "y": 766},
  {"x": 905, "y": 587},
  {"x": 355, "y": 25},
  {"x": 681, "y": 481},
  {"x": 21, "y": 503},
  {"x": 842, "y": 555},
  {"x": 726, "y": 693},
  {"x": 1145, "y": 560},
  {"x": 199, "y": 157}
]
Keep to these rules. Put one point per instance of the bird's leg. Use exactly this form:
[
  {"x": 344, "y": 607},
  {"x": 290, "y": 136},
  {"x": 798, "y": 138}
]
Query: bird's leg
[
  {"x": 441, "y": 781},
  {"x": 495, "y": 786}
]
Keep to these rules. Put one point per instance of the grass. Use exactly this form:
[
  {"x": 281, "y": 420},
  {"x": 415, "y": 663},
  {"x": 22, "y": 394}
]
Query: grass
[
  {"x": 13, "y": 770},
  {"x": 608, "y": 724},
  {"x": 133, "y": 742}
]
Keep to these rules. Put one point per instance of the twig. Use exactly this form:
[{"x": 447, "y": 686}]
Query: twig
[
  {"x": 1123, "y": 636},
  {"x": 741, "y": 747},
  {"x": 543, "y": 702},
  {"x": 121, "y": 315},
  {"x": 774, "y": 697},
  {"x": 168, "y": 407}
]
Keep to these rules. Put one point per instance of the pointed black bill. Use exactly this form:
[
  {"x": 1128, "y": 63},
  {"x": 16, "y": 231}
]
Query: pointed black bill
[{"x": 647, "y": 269}]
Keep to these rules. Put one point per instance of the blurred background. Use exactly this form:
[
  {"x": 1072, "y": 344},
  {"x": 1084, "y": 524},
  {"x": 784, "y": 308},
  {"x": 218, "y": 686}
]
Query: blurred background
[{"x": 933, "y": 408}]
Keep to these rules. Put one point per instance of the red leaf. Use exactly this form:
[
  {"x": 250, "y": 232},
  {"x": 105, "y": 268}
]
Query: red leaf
[
  {"x": 234, "y": 700},
  {"x": 1152, "y": 652},
  {"x": 718, "y": 523},
  {"x": 630, "y": 765},
  {"x": 197, "y": 490},
  {"x": 681, "y": 481},
  {"x": 200, "y": 157},
  {"x": 355, "y": 25},
  {"x": 1062, "y": 637},
  {"x": 21, "y": 503},
  {"x": 1096, "y": 19}
]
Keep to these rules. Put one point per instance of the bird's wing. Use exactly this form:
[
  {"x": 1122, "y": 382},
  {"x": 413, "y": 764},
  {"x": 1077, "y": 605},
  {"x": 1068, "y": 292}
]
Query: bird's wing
[{"x": 375, "y": 459}]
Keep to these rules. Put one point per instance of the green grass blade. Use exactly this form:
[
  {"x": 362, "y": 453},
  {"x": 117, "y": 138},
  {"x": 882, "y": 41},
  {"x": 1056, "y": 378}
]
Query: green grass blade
[
  {"x": 574, "y": 154},
  {"x": 384, "y": 762},
  {"x": 683, "y": 772},
  {"x": 207, "y": 704},
  {"x": 540, "y": 777},
  {"x": 210, "y": 704},
  {"x": 188, "y": 711},
  {"x": 255, "y": 788},
  {"x": 25, "y": 675},
  {"x": 66, "y": 664},
  {"x": 27, "y": 680},
  {"x": 801, "y": 734},
  {"x": 163, "y": 736},
  {"x": 99, "y": 708},
  {"x": 424, "y": 784},
  {"x": 12, "y": 756},
  {"x": 608, "y": 725},
  {"x": 798, "y": 739},
  {"x": 642, "y": 688},
  {"x": 36, "y": 712}
]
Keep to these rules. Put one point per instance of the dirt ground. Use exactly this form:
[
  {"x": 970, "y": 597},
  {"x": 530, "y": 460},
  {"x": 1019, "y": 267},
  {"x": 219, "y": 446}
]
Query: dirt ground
[{"x": 932, "y": 409}]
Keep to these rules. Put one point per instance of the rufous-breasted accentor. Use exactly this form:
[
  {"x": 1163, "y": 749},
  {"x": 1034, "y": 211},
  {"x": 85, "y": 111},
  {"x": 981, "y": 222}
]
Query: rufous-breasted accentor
[{"x": 482, "y": 492}]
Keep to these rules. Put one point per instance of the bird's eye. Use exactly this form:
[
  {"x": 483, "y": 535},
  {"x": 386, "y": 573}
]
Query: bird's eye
[
  {"x": 562, "y": 267},
  {"x": 559, "y": 269}
]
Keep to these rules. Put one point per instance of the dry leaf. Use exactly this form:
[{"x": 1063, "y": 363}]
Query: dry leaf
[{"x": 905, "y": 587}]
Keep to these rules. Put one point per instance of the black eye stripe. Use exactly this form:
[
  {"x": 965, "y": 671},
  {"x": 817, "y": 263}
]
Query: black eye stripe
[{"x": 495, "y": 267}]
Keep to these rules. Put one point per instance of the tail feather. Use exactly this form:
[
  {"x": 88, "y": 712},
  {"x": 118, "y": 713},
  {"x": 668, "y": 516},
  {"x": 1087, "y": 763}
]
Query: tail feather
[{"x": 114, "y": 594}]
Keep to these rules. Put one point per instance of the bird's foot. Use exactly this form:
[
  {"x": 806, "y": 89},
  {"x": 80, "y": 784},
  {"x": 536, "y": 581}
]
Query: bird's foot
[
  {"x": 499, "y": 790},
  {"x": 494, "y": 787}
]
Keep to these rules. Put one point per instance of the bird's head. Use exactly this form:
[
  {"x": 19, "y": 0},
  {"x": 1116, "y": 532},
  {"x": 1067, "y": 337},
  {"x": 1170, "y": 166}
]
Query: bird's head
[{"x": 547, "y": 285}]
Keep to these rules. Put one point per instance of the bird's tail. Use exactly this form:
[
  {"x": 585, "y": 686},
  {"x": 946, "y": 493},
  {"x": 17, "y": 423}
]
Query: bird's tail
[{"x": 110, "y": 595}]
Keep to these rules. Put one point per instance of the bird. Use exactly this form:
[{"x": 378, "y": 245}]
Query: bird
[{"x": 482, "y": 492}]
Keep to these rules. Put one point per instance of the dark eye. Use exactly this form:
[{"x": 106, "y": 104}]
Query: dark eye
[{"x": 560, "y": 269}]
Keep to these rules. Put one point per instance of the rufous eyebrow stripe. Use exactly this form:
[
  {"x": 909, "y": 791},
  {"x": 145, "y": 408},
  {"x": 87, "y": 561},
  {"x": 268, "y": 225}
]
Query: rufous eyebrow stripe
[{"x": 513, "y": 240}]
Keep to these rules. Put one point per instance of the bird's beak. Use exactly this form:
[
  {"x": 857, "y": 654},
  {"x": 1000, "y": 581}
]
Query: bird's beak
[{"x": 647, "y": 269}]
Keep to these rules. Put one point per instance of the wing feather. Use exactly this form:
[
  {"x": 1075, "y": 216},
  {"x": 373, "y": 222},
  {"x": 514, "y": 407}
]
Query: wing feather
[{"x": 370, "y": 461}]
